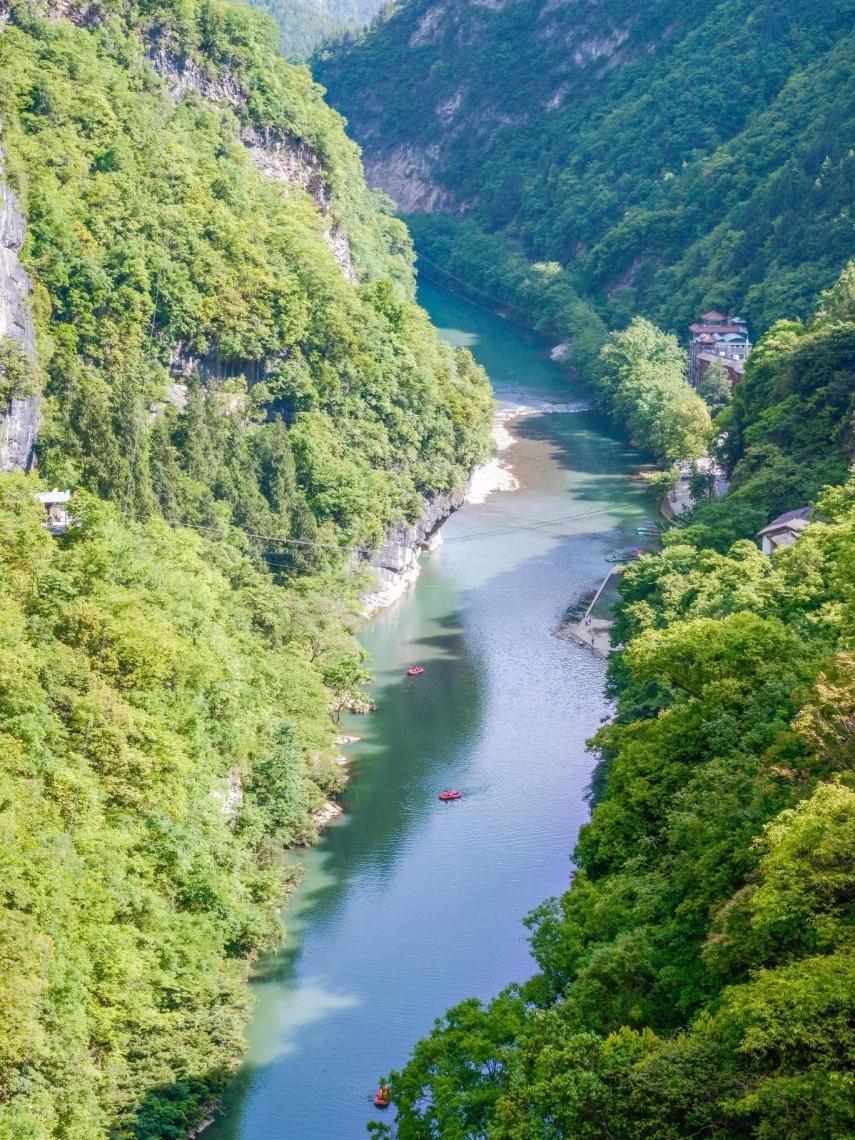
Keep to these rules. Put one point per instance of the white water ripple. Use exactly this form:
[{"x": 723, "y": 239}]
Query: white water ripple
[{"x": 497, "y": 474}]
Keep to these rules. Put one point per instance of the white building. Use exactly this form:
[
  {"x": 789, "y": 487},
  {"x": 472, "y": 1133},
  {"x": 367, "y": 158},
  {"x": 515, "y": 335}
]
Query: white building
[{"x": 58, "y": 519}]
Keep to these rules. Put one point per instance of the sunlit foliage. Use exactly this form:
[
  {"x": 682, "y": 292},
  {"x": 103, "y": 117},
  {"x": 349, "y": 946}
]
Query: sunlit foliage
[
  {"x": 234, "y": 409},
  {"x": 697, "y": 977}
]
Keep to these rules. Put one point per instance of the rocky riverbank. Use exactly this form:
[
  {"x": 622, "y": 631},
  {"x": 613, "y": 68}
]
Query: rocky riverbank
[{"x": 396, "y": 563}]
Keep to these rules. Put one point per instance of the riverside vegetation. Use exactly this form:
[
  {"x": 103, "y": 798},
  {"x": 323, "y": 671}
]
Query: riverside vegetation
[
  {"x": 228, "y": 347},
  {"x": 221, "y": 355},
  {"x": 697, "y": 978}
]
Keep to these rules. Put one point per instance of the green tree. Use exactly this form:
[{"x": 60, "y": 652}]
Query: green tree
[{"x": 715, "y": 387}]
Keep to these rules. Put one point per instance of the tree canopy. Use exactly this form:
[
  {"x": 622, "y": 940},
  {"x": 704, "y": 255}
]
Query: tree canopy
[
  {"x": 697, "y": 975},
  {"x": 671, "y": 158},
  {"x": 242, "y": 396}
]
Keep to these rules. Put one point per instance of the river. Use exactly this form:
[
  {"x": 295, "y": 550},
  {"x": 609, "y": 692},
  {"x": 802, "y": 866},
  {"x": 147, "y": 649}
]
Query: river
[{"x": 409, "y": 905}]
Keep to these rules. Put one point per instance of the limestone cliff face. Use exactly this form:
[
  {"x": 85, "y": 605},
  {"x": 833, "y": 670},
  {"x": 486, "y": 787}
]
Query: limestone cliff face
[
  {"x": 282, "y": 158},
  {"x": 276, "y": 153},
  {"x": 450, "y": 111},
  {"x": 580, "y": 131},
  {"x": 19, "y": 422},
  {"x": 406, "y": 175},
  {"x": 396, "y": 563}
]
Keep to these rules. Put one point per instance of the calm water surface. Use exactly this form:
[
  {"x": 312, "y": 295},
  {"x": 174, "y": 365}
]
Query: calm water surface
[{"x": 409, "y": 905}]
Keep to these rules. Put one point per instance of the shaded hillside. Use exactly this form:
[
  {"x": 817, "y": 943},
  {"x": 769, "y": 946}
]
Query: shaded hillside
[
  {"x": 670, "y": 159},
  {"x": 305, "y": 24}
]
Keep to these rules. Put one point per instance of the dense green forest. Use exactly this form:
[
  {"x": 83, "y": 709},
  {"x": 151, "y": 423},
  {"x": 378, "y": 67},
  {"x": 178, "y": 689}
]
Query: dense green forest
[
  {"x": 242, "y": 395},
  {"x": 669, "y": 158},
  {"x": 238, "y": 389},
  {"x": 152, "y": 237},
  {"x": 641, "y": 372},
  {"x": 164, "y": 735},
  {"x": 306, "y": 24},
  {"x": 697, "y": 977}
]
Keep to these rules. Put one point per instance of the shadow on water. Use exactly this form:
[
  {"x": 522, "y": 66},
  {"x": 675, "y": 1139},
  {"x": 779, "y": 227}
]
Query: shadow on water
[
  {"x": 409, "y": 905},
  {"x": 397, "y": 764},
  {"x": 583, "y": 443},
  {"x": 405, "y": 746}
]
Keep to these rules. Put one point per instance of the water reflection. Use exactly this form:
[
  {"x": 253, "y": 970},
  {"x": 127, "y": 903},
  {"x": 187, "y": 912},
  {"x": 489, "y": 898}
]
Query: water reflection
[{"x": 409, "y": 905}]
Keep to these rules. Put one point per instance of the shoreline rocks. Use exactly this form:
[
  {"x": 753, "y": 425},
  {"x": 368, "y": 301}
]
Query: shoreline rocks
[
  {"x": 325, "y": 815},
  {"x": 396, "y": 563}
]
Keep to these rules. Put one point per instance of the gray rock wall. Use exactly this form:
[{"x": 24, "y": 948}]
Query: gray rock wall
[
  {"x": 19, "y": 422},
  {"x": 406, "y": 176},
  {"x": 396, "y": 563}
]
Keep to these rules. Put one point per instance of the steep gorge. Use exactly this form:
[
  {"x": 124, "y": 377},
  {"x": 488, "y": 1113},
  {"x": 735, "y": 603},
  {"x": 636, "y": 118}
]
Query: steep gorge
[
  {"x": 215, "y": 319},
  {"x": 669, "y": 158},
  {"x": 581, "y": 166}
]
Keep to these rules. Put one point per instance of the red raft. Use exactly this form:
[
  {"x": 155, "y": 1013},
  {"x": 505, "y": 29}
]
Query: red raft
[
  {"x": 415, "y": 671},
  {"x": 450, "y": 794},
  {"x": 383, "y": 1097}
]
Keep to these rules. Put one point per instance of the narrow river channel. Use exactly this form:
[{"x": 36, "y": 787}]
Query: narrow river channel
[{"x": 409, "y": 905}]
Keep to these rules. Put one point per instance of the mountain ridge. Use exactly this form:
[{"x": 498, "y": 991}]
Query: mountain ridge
[{"x": 698, "y": 154}]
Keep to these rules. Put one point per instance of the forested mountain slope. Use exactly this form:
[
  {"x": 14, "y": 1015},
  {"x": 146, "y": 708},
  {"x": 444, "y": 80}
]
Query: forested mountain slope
[
  {"x": 213, "y": 319},
  {"x": 697, "y": 978},
  {"x": 304, "y": 24},
  {"x": 196, "y": 221},
  {"x": 673, "y": 157}
]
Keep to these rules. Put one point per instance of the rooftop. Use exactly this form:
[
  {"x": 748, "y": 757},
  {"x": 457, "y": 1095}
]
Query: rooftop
[
  {"x": 789, "y": 520},
  {"x": 49, "y": 498},
  {"x": 720, "y": 330}
]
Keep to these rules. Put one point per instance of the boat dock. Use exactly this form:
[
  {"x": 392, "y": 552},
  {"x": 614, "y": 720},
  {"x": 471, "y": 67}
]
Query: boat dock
[{"x": 595, "y": 633}]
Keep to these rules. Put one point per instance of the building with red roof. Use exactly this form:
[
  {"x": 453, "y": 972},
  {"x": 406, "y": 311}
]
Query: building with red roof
[{"x": 717, "y": 337}]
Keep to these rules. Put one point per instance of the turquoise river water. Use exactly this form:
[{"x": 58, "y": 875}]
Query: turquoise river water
[{"x": 409, "y": 905}]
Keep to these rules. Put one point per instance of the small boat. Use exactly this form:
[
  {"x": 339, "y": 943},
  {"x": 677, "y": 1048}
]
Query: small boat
[
  {"x": 415, "y": 671},
  {"x": 626, "y": 555},
  {"x": 449, "y": 795},
  {"x": 383, "y": 1097}
]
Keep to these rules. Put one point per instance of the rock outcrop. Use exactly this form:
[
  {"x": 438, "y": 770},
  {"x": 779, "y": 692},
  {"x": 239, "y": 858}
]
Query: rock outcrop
[
  {"x": 20, "y": 419},
  {"x": 277, "y": 154},
  {"x": 182, "y": 74},
  {"x": 396, "y": 564},
  {"x": 406, "y": 175},
  {"x": 283, "y": 158}
]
